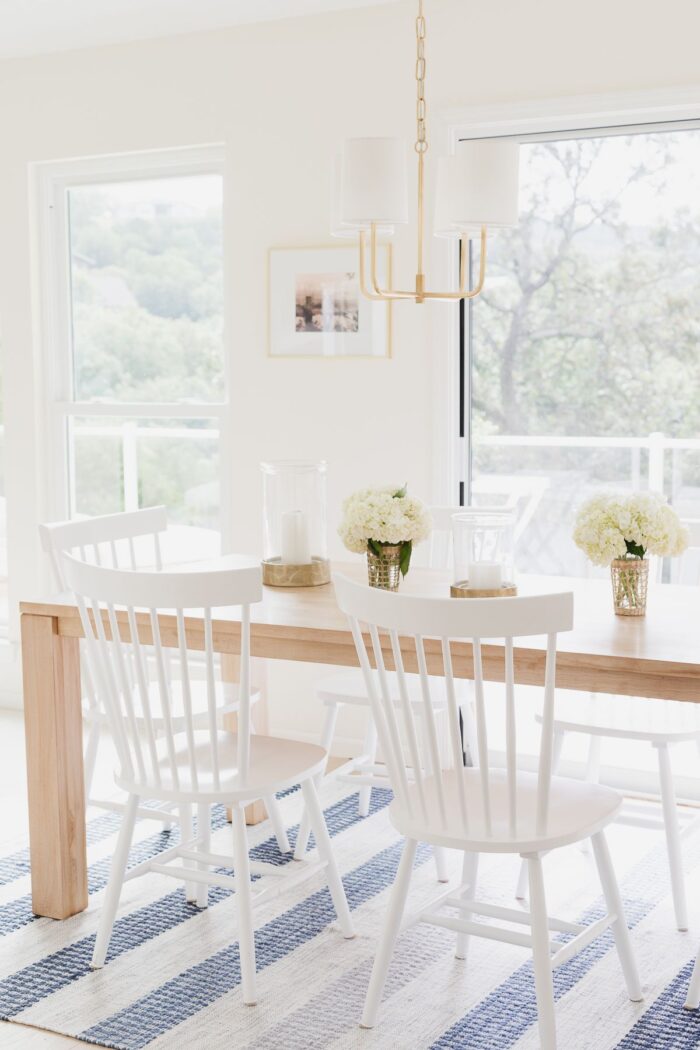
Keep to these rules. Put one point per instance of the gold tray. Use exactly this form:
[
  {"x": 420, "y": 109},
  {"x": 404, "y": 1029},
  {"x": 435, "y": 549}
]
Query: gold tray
[
  {"x": 463, "y": 590},
  {"x": 313, "y": 574}
]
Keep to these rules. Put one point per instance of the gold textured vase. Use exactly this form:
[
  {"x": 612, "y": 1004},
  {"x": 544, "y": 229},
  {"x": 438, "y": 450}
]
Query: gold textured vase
[
  {"x": 385, "y": 571},
  {"x": 630, "y": 580}
]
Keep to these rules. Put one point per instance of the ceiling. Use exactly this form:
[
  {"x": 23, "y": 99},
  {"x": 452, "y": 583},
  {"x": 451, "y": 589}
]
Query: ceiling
[{"x": 31, "y": 27}]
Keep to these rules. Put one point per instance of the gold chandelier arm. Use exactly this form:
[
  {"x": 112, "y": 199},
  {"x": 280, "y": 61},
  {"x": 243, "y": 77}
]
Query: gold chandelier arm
[
  {"x": 381, "y": 293},
  {"x": 464, "y": 292},
  {"x": 363, "y": 272}
]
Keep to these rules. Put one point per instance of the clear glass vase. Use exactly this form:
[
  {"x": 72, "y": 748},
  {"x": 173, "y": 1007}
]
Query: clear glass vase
[
  {"x": 630, "y": 581},
  {"x": 385, "y": 571}
]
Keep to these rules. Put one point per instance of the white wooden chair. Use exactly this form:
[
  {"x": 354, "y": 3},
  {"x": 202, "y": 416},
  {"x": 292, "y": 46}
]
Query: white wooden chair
[
  {"x": 348, "y": 688},
  {"x": 190, "y": 766},
  {"x": 482, "y": 809},
  {"x": 659, "y": 724},
  {"x": 129, "y": 540}
]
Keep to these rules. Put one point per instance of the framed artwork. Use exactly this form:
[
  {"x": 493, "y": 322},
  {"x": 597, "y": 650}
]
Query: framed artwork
[{"x": 316, "y": 307}]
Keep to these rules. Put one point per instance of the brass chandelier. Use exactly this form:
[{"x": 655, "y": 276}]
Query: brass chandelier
[{"x": 477, "y": 190}]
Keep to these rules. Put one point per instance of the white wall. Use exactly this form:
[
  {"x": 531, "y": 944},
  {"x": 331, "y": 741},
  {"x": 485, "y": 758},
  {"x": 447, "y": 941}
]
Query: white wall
[{"x": 280, "y": 96}]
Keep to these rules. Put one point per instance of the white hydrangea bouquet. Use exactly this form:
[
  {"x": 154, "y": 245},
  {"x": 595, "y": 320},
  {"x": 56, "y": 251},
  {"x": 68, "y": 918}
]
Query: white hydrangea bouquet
[
  {"x": 620, "y": 531},
  {"x": 384, "y": 523}
]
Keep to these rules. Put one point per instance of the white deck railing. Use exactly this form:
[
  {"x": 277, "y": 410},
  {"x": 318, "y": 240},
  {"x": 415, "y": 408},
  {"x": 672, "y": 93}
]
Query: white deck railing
[{"x": 656, "y": 445}]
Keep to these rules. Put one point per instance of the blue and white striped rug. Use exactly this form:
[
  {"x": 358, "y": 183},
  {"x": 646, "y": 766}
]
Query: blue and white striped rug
[{"x": 172, "y": 979}]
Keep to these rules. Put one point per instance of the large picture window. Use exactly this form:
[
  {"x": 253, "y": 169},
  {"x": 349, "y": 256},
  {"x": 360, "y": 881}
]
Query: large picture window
[
  {"x": 138, "y": 379},
  {"x": 584, "y": 346}
]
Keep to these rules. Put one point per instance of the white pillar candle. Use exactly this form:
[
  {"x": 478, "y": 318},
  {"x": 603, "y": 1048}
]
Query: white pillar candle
[
  {"x": 294, "y": 539},
  {"x": 485, "y": 575}
]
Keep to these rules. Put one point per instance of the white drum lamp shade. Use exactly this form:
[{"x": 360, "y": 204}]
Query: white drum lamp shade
[
  {"x": 442, "y": 226},
  {"x": 346, "y": 230},
  {"x": 481, "y": 185},
  {"x": 374, "y": 182}
]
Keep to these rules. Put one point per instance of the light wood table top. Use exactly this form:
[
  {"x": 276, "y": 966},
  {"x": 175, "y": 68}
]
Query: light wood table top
[{"x": 656, "y": 656}]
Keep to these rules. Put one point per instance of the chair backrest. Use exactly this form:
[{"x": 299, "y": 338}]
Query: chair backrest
[
  {"x": 419, "y": 628},
  {"x": 122, "y": 673},
  {"x": 686, "y": 569},
  {"x": 109, "y": 539},
  {"x": 518, "y": 493}
]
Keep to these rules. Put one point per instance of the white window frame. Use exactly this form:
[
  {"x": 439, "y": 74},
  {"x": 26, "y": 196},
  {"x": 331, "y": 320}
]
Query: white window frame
[
  {"x": 546, "y": 117},
  {"x": 52, "y": 181}
]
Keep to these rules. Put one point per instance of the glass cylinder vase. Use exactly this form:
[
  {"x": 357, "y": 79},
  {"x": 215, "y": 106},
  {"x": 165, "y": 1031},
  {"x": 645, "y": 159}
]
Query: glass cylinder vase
[
  {"x": 630, "y": 583},
  {"x": 484, "y": 553},
  {"x": 295, "y": 542}
]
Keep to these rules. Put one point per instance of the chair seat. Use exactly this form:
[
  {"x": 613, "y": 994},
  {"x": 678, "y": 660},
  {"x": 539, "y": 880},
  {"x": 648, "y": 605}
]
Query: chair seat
[
  {"x": 631, "y": 717},
  {"x": 348, "y": 687},
  {"x": 275, "y": 764},
  {"x": 578, "y": 809},
  {"x": 227, "y": 698}
]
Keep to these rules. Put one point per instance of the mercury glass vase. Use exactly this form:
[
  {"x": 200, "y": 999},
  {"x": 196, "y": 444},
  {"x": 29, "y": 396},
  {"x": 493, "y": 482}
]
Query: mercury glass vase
[
  {"x": 630, "y": 580},
  {"x": 385, "y": 571}
]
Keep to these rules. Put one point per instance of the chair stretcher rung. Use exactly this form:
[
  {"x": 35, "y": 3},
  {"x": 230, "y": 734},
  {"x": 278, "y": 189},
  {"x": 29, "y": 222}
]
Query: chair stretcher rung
[
  {"x": 562, "y": 953},
  {"x": 143, "y": 812},
  {"x": 216, "y": 860},
  {"x": 208, "y": 878},
  {"x": 147, "y": 865},
  {"x": 522, "y": 918},
  {"x": 478, "y": 929},
  {"x": 291, "y": 879}
]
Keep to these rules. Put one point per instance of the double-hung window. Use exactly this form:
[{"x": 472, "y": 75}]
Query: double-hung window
[{"x": 135, "y": 366}]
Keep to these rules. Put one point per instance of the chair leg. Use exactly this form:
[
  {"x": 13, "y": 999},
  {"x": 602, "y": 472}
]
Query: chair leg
[
  {"x": 392, "y": 925},
  {"x": 326, "y": 741},
  {"x": 541, "y": 957},
  {"x": 470, "y": 870},
  {"x": 613, "y": 902},
  {"x": 204, "y": 836},
  {"x": 325, "y": 851},
  {"x": 90, "y": 759},
  {"x": 693, "y": 998},
  {"x": 557, "y": 748},
  {"x": 673, "y": 836},
  {"x": 593, "y": 760},
  {"x": 592, "y": 775},
  {"x": 440, "y": 856},
  {"x": 114, "y": 886},
  {"x": 275, "y": 814},
  {"x": 186, "y": 836},
  {"x": 244, "y": 897},
  {"x": 370, "y": 751}
]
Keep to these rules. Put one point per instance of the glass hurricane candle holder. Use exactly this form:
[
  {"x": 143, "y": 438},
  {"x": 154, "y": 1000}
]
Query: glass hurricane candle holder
[
  {"x": 484, "y": 553},
  {"x": 295, "y": 545}
]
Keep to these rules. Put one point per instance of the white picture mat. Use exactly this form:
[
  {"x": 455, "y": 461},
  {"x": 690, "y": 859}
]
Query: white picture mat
[{"x": 290, "y": 269}]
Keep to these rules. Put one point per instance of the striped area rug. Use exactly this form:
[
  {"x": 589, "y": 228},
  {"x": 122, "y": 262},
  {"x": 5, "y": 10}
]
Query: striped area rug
[{"x": 172, "y": 979}]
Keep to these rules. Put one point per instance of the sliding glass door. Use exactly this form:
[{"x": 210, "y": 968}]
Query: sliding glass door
[{"x": 581, "y": 357}]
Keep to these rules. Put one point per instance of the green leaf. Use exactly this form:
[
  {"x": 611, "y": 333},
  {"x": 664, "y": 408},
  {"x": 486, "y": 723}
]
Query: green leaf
[
  {"x": 375, "y": 547},
  {"x": 635, "y": 550},
  {"x": 405, "y": 558},
  {"x": 401, "y": 492}
]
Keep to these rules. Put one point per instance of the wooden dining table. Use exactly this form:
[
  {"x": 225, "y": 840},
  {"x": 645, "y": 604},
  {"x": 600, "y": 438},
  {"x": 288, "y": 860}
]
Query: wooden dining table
[{"x": 653, "y": 656}]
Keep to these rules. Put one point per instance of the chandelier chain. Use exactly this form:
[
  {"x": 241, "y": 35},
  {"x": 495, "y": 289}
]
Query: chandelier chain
[{"x": 421, "y": 107}]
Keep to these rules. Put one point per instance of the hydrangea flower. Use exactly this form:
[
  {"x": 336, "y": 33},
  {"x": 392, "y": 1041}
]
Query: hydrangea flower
[
  {"x": 609, "y": 527},
  {"x": 376, "y": 517}
]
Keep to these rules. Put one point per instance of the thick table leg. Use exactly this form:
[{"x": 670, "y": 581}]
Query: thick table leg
[{"x": 55, "y": 786}]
